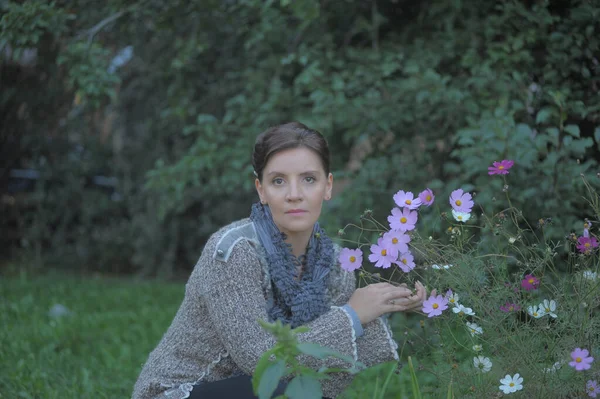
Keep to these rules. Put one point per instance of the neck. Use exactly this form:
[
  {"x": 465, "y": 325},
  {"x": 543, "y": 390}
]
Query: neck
[{"x": 299, "y": 242}]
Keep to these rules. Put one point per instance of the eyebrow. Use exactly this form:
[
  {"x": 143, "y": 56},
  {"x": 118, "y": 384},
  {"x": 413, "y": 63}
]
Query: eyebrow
[{"x": 310, "y": 172}]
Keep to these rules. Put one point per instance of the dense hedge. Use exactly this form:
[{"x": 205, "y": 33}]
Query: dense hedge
[{"x": 408, "y": 95}]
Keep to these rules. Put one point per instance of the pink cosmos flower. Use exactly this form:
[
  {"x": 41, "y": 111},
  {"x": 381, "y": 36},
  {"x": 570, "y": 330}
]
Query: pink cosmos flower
[
  {"x": 581, "y": 359},
  {"x": 586, "y": 244},
  {"x": 426, "y": 196},
  {"x": 406, "y": 200},
  {"x": 350, "y": 259},
  {"x": 435, "y": 305},
  {"x": 402, "y": 220},
  {"x": 530, "y": 282},
  {"x": 461, "y": 201},
  {"x": 396, "y": 242},
  {"x": 592, "y": 388},
  {"x": 406, "y": 262},
  {"x": 500, "y": 168},
  {"x": 380, "y": 256},
  {"x": 510, "y": 307}
]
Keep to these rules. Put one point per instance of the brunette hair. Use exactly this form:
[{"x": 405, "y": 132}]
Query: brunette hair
[{"x": 286, "y": 136}]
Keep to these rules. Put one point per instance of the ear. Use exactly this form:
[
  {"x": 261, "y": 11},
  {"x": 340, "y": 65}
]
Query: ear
[
  {"x": 259, "y": 189},
  {"x": 329, "y": 188}
]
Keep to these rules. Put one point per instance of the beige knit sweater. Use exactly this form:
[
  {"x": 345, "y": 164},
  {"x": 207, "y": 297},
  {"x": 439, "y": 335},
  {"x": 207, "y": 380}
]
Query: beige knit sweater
[{"x": 215, "y": 333}]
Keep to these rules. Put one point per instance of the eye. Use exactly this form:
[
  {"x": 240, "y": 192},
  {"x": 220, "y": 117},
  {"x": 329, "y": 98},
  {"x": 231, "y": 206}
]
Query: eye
[
  {"x": 310, "y": 179},
  {"x": 277, "y": 181}
]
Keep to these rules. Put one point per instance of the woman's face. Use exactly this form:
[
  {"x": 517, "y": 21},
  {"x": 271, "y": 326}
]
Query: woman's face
[{"x": 294, "y": 186}]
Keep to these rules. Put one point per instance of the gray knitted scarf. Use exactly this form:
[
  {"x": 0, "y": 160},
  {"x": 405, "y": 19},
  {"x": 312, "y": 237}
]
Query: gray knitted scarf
[{"x": 295, "y": 302}]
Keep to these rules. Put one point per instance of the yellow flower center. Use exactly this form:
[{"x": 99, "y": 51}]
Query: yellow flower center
[
  {"x": 404, "y": 261},
  {"x": 500, "y": 167},
  {"x": 459, "y": 217},
  {"x": 578, "y": 360},
  {"x": 511, "y": 308},
  {"x": 383, "y": 252},
  {"x": 435, "y": 306},
  {"x": 428, "y": 198},
  {"x": 592, "y": 389},
  {"x": 352, "y": 259},
  {"x": 403, "y": 219},
  {"x": 548, "y": 310},
  {"x": 408, "y": 202},
  {"x": 587, "y": 244},
  {"x": 531, "y": 281},
  {"x": 458, "y": 202},
  {"x": 512, "y": 384},
  {"x": 535, "y": 314},
  {"x": 394, "y": 240},
  {"x": 452, "y": 300}
]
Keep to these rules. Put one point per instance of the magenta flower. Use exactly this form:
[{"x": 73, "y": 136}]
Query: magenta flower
[
  {"x": 396, "y": 242},
  {"x": 586, "y": 244},
  {"x": 592, "y": 388},
  {"x": 350, "y": 259},
  {"x": 406, "y": 262},
  {"x": 510, "y": 307},
  {"x": 406, "y": 200},
  {"x": 402, "y": 220},
  {"x": 426, "y": 196},
  {"x": 380, "y": 256},
  {"x": 461, "y": 201},
  {"x": 530, "y": 282},
  {"x": 500, "y": 168},
  {"x": 581, "y": 359},
  {"x": 435, "y": 305}
]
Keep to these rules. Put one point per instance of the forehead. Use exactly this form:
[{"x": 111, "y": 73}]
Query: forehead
[{"x": 294, "y": 160}]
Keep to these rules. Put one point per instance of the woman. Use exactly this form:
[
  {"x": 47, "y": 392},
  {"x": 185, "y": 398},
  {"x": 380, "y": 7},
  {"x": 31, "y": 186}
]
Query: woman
[{"x": 276, "y": 265}]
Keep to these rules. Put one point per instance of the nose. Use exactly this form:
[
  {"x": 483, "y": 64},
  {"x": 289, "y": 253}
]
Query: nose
[{"x": 294, "y": 193}]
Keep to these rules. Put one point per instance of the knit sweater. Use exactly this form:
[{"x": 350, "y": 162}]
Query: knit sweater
[{"x": 215, "y": 333}]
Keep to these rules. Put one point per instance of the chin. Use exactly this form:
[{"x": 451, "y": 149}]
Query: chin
[{"x": 299, "y": 226}]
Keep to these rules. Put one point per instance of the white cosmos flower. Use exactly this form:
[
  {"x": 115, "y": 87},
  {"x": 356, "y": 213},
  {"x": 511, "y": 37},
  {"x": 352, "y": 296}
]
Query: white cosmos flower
[
  {"x": 461, "y": 310},
  {"x": 438, "y": 267},
  {"x": 590, "y": 275},
  {"x": 452, "y": 299},
  {"x": 477, "y": 348},
  {"x": 535, "y": 311},
  {"x": 461, "y": 216},
  {"x": 554, "y": 367},
  {"x": 548, "y": 307},
  {"x": 511, "y": 384},
  {"x": 474, "y": 329},
  {"x": 483, "y": 364}
]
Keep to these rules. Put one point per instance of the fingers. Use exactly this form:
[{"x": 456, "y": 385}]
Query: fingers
[{"x": 395, "y": 293}]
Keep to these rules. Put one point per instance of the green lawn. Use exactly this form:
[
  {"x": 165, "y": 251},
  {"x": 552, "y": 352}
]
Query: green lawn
[{"x": 97, "y": 351}]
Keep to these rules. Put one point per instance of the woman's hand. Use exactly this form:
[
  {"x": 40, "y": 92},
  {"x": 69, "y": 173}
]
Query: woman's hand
[{"x": 372, "y": 301}]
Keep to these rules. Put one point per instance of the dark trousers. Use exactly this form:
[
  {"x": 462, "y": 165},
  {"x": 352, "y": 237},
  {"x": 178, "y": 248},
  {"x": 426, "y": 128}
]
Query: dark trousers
[{"x": 239, "y": 387}]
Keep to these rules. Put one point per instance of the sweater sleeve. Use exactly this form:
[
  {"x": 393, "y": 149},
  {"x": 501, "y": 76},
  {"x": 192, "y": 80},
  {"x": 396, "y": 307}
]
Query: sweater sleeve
[
  {"x": 234, "y": 297},
  {"x": 376, "y": 344}
]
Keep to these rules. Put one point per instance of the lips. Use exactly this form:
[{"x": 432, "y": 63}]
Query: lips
[{"x": 296, "y": 211}]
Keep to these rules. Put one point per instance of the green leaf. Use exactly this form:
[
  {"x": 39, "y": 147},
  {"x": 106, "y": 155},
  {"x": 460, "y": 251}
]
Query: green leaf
[
  {"x": 414, "y": 381},
  {"x": 304, "y": 387},
  {"x": 543, "y": 116},
  {"x": 573, "y": 130},
  {"x": 270, "y": 379},
  {"x": 263, "y": 363},
  {"x": 315, "y": 350}
]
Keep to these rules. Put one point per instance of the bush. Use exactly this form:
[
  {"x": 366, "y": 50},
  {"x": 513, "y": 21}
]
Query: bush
[{"x": 512, "y": 298}]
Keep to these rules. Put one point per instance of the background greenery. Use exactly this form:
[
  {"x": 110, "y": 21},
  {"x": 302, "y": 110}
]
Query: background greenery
[{"x": 168, "y": 97}]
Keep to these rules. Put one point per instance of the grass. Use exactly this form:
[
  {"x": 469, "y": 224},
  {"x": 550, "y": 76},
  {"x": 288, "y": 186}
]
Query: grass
[{"x": 97, "y": 351}]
